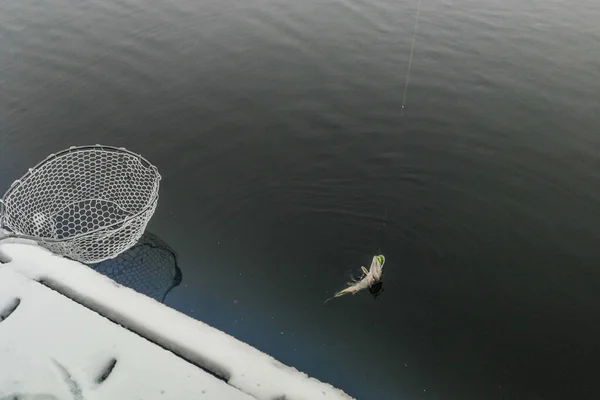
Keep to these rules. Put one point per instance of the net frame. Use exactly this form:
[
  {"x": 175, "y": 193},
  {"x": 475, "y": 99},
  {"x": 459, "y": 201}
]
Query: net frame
[{"x": 102, "y": 242}]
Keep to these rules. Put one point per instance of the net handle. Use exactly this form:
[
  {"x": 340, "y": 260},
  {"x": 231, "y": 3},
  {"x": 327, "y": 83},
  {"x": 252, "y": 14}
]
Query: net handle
[
  {"x": 2, "y": 212},
  {"x": 5, "y": 234}
]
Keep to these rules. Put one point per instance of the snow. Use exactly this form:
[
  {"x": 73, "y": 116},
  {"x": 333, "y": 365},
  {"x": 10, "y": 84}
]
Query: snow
[
  {"x": 72, "y": 323},
  {"x": 53, "y": 348}
]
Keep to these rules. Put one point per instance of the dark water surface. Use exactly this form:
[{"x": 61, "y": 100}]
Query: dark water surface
[{"x": 286, "y": 165}]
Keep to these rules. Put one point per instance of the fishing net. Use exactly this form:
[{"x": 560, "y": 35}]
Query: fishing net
[
  {"x": 150, "y": 267},
  {"x": 87, "y": 203}
]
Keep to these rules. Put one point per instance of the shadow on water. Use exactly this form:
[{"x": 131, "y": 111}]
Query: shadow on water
[
  {"x": 376, "y": 289},
  {"x": 150, "y": 267}
]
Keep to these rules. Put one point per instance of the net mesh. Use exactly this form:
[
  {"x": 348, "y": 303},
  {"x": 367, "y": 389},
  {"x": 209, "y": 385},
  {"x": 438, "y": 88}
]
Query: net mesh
[
  {"x": 86, "y": 203},
  {"x": 150, "y": 267}
]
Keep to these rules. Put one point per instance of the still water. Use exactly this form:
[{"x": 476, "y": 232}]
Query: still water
[{"x": 287, "y": 164}]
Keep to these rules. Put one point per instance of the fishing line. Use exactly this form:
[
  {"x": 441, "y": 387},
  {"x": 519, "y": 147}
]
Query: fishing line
[
  {"x": 412, "y": 50},
  {"x": 382, "y": 232},
  {"x": 376, "y": 280},
  {"x": 410, "y": 58}
]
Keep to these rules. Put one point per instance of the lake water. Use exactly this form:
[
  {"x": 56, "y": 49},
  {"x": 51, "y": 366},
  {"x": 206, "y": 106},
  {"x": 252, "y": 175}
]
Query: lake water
[{"x": 287, "y": 165}]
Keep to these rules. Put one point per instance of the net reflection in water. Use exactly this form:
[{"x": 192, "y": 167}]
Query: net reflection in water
[{"x": 150, "y": 267}]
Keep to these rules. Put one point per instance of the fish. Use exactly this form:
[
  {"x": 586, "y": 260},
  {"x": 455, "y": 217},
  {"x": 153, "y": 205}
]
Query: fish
[{"x": 369, "y": 279}]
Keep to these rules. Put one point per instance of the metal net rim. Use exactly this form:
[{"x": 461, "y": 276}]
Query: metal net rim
[{"x": 75, "y": 149}]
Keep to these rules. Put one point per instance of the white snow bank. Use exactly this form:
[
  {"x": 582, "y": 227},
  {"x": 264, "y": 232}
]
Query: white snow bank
[
  {"x": 53, "y": 348},
  {"x": 241, "y": 365}
]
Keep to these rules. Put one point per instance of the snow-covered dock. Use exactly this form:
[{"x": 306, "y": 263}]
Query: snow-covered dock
[{"x": 67, "y": 332}]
